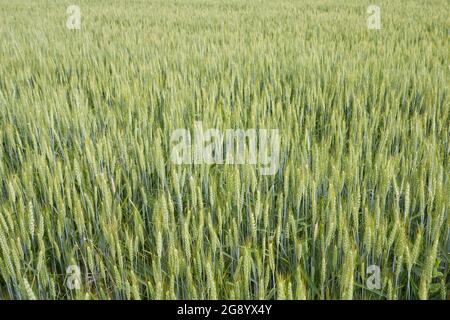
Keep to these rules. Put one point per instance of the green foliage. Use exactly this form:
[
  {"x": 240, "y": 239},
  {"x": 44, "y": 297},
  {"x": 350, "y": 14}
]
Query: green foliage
[{"x": 85, "y": 172}]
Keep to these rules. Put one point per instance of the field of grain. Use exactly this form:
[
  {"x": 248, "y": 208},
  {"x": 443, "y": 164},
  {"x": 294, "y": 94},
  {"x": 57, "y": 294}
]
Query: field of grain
[{"x": 92, "y": 207}]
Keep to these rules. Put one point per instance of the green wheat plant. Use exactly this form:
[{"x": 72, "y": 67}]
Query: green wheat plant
[{"x": 86, "y": 178}]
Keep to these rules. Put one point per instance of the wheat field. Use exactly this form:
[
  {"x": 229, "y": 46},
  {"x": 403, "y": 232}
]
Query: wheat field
[{"x": 86, "y": 181}]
